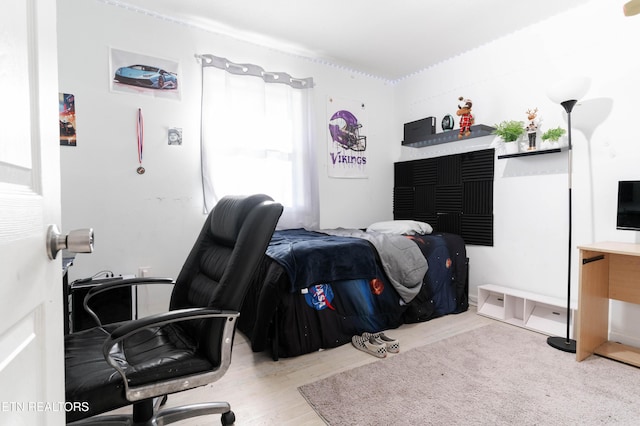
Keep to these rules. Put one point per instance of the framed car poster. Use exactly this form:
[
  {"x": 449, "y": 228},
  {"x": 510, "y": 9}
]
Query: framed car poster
[{"x": 135, "y": 73}]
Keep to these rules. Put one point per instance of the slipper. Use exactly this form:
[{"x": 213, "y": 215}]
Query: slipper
[
  {"x": 391, "y": 345},
  {"x": 370, "y": 346}
]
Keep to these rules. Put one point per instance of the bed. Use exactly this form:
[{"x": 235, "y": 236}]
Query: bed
[{"x": 317, "y": 289}]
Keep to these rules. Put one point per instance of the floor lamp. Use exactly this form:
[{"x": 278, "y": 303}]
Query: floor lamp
[{"x": 567, "y": 93}]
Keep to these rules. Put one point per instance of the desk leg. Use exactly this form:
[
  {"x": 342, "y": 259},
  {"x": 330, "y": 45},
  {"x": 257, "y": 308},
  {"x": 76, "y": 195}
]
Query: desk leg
[{"x": 593, "y": 303}]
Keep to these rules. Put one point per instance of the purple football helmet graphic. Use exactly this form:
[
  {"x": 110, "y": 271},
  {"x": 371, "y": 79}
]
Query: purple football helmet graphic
[{"x": 344, "y": 129}]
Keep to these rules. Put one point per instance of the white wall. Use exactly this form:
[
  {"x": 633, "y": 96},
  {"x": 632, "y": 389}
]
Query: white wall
[
  {"x": 153, "y": 219},
  {"x": 504, "y": 79}
]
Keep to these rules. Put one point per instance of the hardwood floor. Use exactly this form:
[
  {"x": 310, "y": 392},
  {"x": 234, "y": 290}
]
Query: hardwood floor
[{"x": 264, "y": 392}]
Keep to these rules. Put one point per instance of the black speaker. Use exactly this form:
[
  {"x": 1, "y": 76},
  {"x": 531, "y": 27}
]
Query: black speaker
[
  {"x": 111, "y": 306},
  {"x": 416, "y": 131}
]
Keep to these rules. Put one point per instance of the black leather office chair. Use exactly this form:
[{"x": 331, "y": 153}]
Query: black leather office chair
[{"x": 139, "y": 362}]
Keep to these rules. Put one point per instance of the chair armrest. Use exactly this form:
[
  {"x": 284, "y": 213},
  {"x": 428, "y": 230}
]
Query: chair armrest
[
  {"x": 135, "y": 393},
  {"x": 156, "y": 320},
  {"x": 110, "y": 285}
]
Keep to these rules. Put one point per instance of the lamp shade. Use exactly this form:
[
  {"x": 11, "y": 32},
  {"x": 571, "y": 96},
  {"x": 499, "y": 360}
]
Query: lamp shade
[{"x": 569, "y": 89}]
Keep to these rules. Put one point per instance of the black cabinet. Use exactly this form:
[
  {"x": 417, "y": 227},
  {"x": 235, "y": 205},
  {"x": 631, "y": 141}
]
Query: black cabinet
[{"x": 111, "y": 306}]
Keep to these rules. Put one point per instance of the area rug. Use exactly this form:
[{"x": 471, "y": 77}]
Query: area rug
[{"x": 493, "y": 375}]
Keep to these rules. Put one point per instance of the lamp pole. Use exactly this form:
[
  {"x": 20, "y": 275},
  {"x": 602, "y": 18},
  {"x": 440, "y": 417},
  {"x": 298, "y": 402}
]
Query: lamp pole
[{"x": 567, "y": 344}]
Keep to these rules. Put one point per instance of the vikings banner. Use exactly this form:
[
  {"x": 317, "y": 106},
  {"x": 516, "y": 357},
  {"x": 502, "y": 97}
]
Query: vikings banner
[{"x": 347, "y": 143}]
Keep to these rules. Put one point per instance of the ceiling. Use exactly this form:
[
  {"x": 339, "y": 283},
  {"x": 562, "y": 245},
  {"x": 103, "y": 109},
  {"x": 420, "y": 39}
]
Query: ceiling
[{"x": 388, "y": 40}]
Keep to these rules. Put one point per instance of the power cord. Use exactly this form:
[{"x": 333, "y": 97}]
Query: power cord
[{"x": 107, "y": 274}]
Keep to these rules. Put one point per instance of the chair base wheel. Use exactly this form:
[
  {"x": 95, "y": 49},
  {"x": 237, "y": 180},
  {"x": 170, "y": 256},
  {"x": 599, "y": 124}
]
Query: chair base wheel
[{"x": 228, "y": 418}]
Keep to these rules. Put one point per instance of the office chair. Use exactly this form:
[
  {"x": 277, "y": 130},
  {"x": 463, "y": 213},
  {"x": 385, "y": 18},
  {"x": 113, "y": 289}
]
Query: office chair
[{"x": 139, "y": 362}]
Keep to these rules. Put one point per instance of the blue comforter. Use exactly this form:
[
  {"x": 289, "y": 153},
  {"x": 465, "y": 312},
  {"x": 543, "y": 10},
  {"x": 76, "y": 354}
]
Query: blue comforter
[{"x": 315, "y": 258}]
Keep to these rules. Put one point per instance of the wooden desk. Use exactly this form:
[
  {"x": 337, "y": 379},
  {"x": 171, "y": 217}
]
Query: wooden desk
[{"x": 608, "y": 270}]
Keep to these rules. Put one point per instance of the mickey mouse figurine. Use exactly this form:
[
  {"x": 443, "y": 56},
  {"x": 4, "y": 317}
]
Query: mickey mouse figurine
[{"x": 466, "y": 118}]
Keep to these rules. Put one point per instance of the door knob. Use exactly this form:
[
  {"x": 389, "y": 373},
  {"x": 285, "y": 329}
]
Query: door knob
[{"x": 76, "y": 241}]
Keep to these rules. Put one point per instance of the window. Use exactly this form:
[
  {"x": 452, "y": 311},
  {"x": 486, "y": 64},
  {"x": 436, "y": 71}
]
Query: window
[{"x": 257, "y": 138}]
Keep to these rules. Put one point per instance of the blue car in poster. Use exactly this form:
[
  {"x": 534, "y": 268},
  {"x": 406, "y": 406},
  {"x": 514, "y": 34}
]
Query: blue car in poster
[{"x": 146, "y": 76}]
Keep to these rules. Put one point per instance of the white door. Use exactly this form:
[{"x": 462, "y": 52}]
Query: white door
[{"x": 31, "y": 335}]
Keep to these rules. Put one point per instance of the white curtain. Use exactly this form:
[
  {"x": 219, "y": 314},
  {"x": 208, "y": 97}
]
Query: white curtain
[{"x": 257, "y": 138}]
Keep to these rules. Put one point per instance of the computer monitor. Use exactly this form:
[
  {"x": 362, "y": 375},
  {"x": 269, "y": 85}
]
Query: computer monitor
[{"x": 628, "y": 213}]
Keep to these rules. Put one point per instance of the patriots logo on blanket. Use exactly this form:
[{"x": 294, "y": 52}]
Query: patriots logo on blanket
[{"x": 319, "y": 297}]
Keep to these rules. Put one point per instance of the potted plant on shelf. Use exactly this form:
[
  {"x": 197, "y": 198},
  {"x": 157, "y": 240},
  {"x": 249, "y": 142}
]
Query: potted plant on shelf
[
  {"x": 510, "y": 132},
  {"x": 551, "y": 138}
]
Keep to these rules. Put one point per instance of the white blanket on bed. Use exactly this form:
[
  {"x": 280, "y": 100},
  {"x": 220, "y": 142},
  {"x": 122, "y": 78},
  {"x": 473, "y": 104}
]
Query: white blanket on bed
[{"x": 402, "y": 259}]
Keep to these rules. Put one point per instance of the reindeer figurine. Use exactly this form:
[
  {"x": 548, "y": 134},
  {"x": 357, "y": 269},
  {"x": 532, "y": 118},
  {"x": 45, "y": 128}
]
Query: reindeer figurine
[{"x": 532, "y": 127}]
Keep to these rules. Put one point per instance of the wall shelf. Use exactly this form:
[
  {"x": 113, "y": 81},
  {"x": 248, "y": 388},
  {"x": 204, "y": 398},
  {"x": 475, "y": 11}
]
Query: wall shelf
[
  {"x": 536, "y": 152},
  {"x": 535, "y": 312},
  {"x": 477, "y": 131}
]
